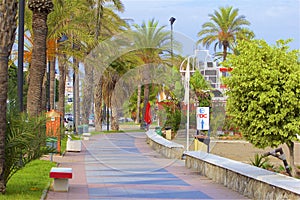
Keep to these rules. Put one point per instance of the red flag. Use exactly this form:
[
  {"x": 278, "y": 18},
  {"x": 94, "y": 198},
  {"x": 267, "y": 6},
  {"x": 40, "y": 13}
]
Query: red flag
[{"x": 147, "y": 117}]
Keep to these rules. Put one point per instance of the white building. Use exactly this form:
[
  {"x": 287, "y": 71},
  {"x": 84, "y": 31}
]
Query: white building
[{"x": 212, "y": 72}]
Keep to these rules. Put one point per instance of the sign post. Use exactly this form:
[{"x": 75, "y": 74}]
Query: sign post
[
  {"x": 202, "y": 115},
  {"x": 202, "y": 118}
]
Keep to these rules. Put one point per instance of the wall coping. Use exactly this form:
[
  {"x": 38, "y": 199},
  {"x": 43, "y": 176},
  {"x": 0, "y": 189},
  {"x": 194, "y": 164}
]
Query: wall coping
[
  {"x": 160, "y": 140},
  {"x": 271, "y": 178}
]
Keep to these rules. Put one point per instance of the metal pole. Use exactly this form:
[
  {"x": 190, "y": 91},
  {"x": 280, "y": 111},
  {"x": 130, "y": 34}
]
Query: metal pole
[
  {"x": 188, "y": 106},
  {"x": 74, "y": 97},
  {"x": 208, "y": 140},
  {"x": 54, "y": 96},
  {"x": 107, "y": 118},
  {"x": 187, "y": 123},
  {"x": 21, "y": 54},
  {"x": 172, "y": 41},
  {"x": 48, "y": 87}
]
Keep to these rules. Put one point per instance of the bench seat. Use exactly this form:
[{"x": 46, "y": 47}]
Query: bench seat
[{"x": 61, "y": 177}]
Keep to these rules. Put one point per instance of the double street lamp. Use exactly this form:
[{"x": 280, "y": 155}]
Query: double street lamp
[{"x": 187, "y": 71}]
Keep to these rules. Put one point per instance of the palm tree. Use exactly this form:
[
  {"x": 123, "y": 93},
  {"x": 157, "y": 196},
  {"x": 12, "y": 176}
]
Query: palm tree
[
  {"x": 67, "y": 27},
  {"x": 40, "y": 10},
  {"x": 100, "y": 35},
  {"x": 150, "y": 41},
  {"x": 7, "y": 35},
  {"x": 223, "y": 29}
]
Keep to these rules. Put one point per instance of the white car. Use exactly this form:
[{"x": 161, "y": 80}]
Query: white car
[
  {"x": 68, "y": 122},
  {"x": 92, "y": 120},
  {"x": 125, "y": 119}
]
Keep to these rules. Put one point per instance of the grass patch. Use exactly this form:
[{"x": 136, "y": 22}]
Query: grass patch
[
  {"x": 63, "y": 144},
  {"x": 29, "y": 182},
  {"x": 127, "y": 123}
]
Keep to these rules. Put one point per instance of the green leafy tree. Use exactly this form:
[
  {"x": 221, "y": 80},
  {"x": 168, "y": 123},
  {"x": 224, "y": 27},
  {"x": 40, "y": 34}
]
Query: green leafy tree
[
  {"x": 223, "y": 28},
  {"x": 201, "y": 87},
  {"x": 264, "y": 94}
]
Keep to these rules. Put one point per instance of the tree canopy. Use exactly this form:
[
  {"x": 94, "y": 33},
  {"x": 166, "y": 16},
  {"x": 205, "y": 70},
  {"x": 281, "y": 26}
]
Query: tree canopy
[{"x": 264, "y": 92}]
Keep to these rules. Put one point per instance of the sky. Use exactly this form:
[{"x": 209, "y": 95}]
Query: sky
[{"x": 270, "y": 20}]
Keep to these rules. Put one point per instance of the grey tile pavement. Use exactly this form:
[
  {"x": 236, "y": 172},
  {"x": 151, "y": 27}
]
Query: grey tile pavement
[{"x": 122, "y": 166}]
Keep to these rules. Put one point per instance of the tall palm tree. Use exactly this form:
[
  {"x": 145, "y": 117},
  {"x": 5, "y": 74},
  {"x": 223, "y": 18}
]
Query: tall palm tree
[
  {"x": 223, "y": 29},
  {"x": 103, "y": 24},
  {"x": 40, "y": 10},
  {"x": 64, "y": 23},
  {"x": 150, "y": 41},
  {"x": 8, "y": 24}
]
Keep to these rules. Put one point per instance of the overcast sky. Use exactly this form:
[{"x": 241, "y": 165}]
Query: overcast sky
[{"x": 270, "y": 19}]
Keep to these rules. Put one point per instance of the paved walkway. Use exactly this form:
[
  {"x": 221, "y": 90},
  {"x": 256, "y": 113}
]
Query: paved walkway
[{"x": 122, "y": 166}]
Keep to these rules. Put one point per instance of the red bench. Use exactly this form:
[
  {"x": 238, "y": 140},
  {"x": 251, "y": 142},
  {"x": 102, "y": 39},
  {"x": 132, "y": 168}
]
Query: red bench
[{"x": 61, "y": 177}]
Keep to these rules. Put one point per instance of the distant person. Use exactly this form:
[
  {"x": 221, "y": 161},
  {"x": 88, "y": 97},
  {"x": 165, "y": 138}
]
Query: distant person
[{"x": 148, "y": 117}]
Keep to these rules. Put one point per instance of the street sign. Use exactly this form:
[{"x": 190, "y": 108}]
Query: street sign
[{"x": 202, "y": 118}]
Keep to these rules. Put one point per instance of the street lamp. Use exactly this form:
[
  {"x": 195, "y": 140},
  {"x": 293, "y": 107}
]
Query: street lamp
[
  {"x": 172, "y": 20},
  {"x": 187, "y": 73}
]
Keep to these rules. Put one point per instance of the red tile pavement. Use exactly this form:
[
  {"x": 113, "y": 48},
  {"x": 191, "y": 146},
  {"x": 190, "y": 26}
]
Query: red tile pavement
[{"x": 78, "y": 188}]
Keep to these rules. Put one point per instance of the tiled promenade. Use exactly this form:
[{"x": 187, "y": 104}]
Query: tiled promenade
[{"x": 122, "y": 166}]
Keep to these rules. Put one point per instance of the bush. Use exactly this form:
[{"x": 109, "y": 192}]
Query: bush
[
  {"x": 170, "y": 115},
  {"x": 261, "y": 161},
  {"x": 25, "y": 141}
]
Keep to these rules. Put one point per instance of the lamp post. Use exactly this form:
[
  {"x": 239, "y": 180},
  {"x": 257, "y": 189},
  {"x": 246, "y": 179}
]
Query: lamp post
[
  {"x": 74, "y": 98},
  {"x": 21, "y": 53},
  {"x": 172, "y": 20},
  {"x": 187, "y": 73}
]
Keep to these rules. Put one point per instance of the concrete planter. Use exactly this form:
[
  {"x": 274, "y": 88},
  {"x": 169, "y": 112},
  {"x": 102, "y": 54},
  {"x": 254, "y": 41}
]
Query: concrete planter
[{"x": 74, "y": 145}]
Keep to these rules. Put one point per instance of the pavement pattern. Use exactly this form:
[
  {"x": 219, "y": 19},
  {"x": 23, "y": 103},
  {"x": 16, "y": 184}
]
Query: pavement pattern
[{"x": 123, "y": 166}]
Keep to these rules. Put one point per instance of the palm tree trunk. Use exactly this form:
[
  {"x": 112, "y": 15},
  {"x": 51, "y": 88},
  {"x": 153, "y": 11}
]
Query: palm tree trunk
[
  {"x": 225, "y": 46},
  {"x": 3, "y": 99},
  {"x": 99, "y": 82},
  {"x": 115, "y": 105},
  {"x": 3, "y": 107},
  {"x": 98, "y": 104},
  {"x": 38, "y": 63},
  {"x": 146, "y": 93},
  {"x": 45, "y": 92},
  {"x": 114, "y": 120},
  {"x": 8, "y": 26},
  {"x": 294, "y": 170},
  {"x": 52, "y": 84},
  {"x": 137, "y": 120},
  {"x": 87, "y": 93},
  {"x": 114, "y": 115},
  {"x": 146, "y": 99}
]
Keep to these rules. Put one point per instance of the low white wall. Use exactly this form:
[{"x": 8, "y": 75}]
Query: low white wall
[
  {"x": 251, "y": 181},
  {"x": 163, "y": 146}
]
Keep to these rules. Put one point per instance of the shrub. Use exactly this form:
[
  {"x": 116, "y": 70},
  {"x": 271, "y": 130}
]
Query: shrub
[
  {"x": 25, "y": 141},
  {"x": 261, "y": 161}
]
